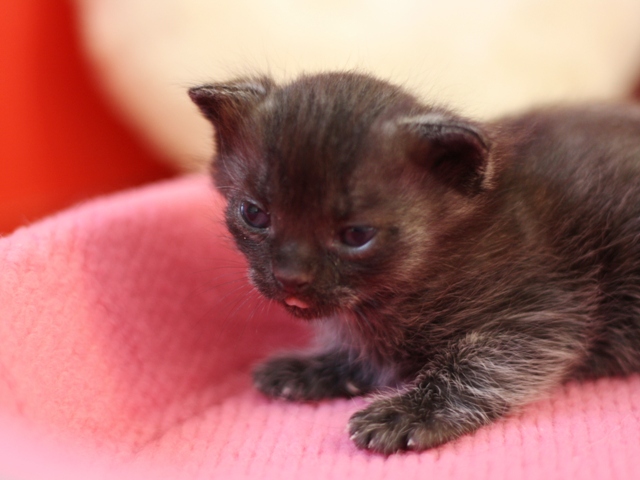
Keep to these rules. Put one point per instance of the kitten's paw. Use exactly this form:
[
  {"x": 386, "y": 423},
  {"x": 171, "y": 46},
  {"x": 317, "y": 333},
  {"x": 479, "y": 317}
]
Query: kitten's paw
[
  {"x": 393, "y": 424},
  {"x": 306, "y": 378}
]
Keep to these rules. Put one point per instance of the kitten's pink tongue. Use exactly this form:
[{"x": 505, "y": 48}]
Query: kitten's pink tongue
[{"x": 295, "y": 302}]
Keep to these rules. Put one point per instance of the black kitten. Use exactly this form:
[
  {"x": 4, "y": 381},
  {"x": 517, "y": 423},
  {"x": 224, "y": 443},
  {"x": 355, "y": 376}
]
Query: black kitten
[{"x": 472, "y": 267}]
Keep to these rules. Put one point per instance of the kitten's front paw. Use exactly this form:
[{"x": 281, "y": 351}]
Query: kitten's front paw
[
  {"x": 394, "y": 424},
  {"x": 307, "y": 378}
]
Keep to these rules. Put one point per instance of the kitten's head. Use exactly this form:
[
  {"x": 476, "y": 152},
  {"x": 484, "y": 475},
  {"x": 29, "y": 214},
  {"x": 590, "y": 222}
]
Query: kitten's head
[{"x": 339, "y": 185}]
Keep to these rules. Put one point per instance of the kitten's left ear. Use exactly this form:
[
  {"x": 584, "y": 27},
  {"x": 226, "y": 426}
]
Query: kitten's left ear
[
  {"x": 455, "y": 151},
  {"x": 226, "y": 104}
]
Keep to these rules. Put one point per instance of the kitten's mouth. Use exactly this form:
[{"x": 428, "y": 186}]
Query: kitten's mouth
[
  {"x": 296, "y": 302},
  {"x": 302, "y": 308}
]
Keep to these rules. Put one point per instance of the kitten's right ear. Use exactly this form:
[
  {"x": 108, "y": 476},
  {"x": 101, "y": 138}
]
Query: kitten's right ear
[{"x": 225, "y": 104}]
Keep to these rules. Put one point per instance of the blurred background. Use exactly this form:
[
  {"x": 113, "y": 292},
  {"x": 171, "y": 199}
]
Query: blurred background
[
  {"x": 92, "y": 92},
  {"x": 60, "y": 140}
]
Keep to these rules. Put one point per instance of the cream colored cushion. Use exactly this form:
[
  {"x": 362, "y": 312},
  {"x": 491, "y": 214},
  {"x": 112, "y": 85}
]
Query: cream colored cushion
[{"x": 484, "y": 58}]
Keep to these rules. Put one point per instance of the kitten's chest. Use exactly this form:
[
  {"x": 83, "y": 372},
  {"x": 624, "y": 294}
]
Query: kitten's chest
[{"x": 391, "y": 336}]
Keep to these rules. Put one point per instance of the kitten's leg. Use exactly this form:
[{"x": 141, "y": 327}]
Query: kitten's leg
[
  {"x": 473, "y": 382},
  {"x": 314, "y": 377}
]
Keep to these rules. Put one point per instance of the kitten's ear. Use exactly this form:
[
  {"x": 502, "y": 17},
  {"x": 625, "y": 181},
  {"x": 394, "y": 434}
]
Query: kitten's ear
[
  {"x": 455, "y": 151},
  {"x": 225, "y": 104}
]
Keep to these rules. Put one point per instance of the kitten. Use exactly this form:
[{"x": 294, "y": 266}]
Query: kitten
[{"x": 464, "y": 268}]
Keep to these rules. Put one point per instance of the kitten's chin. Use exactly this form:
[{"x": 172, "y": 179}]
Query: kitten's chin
[{"x": 307, "y": 306}]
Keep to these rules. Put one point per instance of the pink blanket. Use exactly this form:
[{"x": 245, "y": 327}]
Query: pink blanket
[{"x": 128, "y": 334}]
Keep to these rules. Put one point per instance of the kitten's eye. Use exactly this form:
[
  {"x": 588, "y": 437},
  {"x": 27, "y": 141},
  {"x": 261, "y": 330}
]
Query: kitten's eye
[
  {"x": 357, "y": 236},
  {"x": 254, "y": 215}
]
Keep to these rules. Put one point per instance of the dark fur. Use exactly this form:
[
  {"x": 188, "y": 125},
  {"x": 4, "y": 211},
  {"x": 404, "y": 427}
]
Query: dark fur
[{"x": 507, "y": 258}]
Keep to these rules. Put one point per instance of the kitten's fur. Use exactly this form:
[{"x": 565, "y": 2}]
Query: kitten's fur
[{"x": 506, "y": 257}]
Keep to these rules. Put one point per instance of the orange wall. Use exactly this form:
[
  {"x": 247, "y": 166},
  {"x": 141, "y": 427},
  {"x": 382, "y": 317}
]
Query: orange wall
[{"x": 59, "y": 140}]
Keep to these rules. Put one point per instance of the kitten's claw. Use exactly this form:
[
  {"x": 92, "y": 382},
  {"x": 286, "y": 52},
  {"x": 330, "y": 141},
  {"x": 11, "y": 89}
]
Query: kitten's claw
[
  {"x": 305, "y": 379},
  {"x": 392, "y": 425},
  {"x": 352, "y": 389}
]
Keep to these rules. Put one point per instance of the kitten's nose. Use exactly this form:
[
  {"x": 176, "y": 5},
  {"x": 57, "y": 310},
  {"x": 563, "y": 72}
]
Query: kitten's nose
[{"x": 292, "y": 280}]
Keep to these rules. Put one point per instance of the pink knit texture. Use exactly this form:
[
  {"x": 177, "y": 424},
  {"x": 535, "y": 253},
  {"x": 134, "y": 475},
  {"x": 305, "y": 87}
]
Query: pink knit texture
[{"x": 128, "y": 334}]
